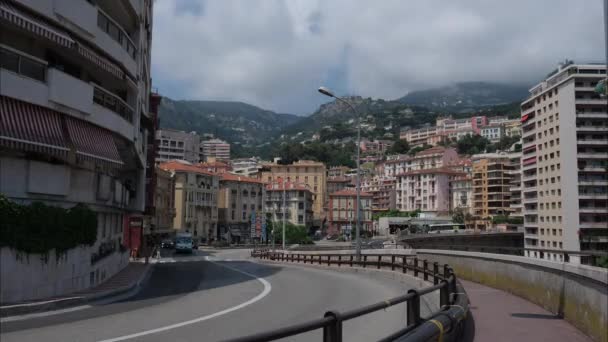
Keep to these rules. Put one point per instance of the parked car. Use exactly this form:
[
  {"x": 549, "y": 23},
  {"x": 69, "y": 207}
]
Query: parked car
[{"x": 167, "y": 243}]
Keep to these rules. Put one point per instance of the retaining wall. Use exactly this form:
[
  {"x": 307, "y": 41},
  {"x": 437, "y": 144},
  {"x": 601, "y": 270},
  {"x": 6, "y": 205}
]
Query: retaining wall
[{"x": 578, "y": 293}]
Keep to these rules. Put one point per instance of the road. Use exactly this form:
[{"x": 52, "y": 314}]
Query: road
[{"x": 216, "y": 295}]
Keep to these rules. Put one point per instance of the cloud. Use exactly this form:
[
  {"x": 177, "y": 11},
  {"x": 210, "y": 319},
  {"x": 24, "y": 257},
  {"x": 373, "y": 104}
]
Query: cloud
[{"x": 275, "y": 53}]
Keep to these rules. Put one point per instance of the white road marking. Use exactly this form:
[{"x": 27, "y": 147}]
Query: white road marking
[
  {"x": 42, "y": 314},
  {"x": 264, "y": 293}
]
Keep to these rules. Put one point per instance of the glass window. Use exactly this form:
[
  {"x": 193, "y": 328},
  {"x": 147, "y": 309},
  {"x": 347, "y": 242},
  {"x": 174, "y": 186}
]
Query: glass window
[
  {"x": 9, "y": 60},
  {"x": 102, "y": 22}
]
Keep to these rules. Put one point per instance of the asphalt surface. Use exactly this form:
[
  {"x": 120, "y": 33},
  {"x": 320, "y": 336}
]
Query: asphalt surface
[{"x": 205, "y": 298}]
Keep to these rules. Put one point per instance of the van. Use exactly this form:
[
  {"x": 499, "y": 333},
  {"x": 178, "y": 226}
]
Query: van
[{"x": 183, "y": 243}]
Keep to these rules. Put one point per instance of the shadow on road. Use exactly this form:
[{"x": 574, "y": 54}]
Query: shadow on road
[{"x": 537, "y": 316}]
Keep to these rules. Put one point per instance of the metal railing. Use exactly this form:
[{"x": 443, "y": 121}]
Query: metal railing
[{"x": 446, "y": 324}]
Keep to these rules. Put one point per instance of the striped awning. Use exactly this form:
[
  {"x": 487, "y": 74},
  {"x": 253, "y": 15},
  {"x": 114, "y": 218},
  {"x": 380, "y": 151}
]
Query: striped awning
[
  {"x": 27, "y": 127},
  {"x": 92, "y": 142},
  {"x": 100, "y": 61},
  {"x": 27, "y": 22}
]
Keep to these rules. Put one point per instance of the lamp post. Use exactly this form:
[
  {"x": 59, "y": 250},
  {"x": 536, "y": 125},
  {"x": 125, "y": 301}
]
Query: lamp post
[{"x": 327, "y": 92}]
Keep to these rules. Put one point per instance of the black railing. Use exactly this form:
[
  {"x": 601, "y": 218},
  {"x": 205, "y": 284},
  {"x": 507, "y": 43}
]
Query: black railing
[{"x": 446, "y": 324}]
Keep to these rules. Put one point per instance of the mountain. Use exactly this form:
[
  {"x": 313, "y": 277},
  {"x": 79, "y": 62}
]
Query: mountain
[
  {"x": 235, "y": 122},
  {"x": 466, "y": 96}
]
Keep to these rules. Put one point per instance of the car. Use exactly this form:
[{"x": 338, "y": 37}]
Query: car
[{"x": 167, "y": 243}]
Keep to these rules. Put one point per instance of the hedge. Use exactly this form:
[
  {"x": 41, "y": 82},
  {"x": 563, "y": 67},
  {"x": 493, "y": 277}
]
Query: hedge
[{"x": 39, "y": 228}]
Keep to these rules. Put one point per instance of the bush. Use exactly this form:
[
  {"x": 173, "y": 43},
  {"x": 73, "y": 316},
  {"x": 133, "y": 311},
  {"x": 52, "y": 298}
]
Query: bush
[{"x": 39, "y": 228}]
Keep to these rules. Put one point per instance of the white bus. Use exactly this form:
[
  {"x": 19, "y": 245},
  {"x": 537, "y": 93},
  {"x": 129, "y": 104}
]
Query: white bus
[{"x": 446, "y": 228}]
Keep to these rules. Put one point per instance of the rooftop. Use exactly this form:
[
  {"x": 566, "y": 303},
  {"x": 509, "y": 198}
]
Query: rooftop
[
  {"x": 180, "y": 166},
  {"x": 228, "y": 177}
]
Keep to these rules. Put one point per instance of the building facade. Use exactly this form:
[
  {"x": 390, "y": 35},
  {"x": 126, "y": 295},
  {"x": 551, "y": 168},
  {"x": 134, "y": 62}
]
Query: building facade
[
  {"x": 565, "y": 148},
  {"x": 239, "y": 199},
  {"x": 491, "y": 187},
  {"x": 177, "y": 145},
  {"x": 195, "y": 199},
  {"x": 159, "y": 221},
  {"x": 216, "y": 149},
  {"x": 493, "y": 132},
  {"x": 310, "y": 173},
  {"x": 248, "y": 167},
  {"x": 75, "y": 118},
  {"x": 298, "y": 201},
  {"x": 342, "y": 212},
  {"x": 516, "y": 206}
]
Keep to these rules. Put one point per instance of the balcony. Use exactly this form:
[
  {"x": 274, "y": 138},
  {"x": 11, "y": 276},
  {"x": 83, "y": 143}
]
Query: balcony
[
  {"x": 112, "y": 102},
  {"x": 592, "y": 128},
  {"x": 593, "y": 225},
  {"x": 593, "y": 210},
  {"x": 592, "y": 155},
  {"x": 592, "y": 115},
  {"x": 530, "y": 199},
  {"x": 592, "y": 142},
  {"x": 589, "y": 101}
]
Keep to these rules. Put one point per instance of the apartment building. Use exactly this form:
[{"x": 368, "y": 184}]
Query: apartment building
[
  {"x": 159, "y": 221},
  {"x": 74, "y": 118},
  {"x": 515, "y": 212},
  {"x": 342, "y": 212},
  {"x": 177, "y": 145},
  {"x": 248, "y": 167},
  {"x": 382, "y": 190},
  {"x": 462, "y": 193},
  {"x": 298, "y": 199},
  {"x": 419, "y": 136},
  {"x": 565, "y": 148},
  {"x": 338, "y": 183},
  {"x": 216, "y": 149},
  {"x": 375, "y": 147},
  {"x": 195, "y": 199},
  {"x": 309, "y": 173},
  {"x": 491, "y": 187},
  {"x": 240, "y": 200},
  {"x": 493, "y": 132},
  {"x": 337, "y": 171}
]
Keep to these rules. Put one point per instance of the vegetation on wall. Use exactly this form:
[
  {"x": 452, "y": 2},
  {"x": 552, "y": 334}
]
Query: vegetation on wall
[
  {"x": 38, "y": 228},
  {"x": 294, "y": 234}
]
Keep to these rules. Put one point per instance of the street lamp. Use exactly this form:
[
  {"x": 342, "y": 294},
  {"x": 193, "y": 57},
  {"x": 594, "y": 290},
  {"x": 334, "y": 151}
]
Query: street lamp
[{"x": 328, "y": 92}]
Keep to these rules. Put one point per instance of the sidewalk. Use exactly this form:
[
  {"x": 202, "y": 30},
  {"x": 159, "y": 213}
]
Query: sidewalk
[
  {"x": 500, "y": 316},
  {"x": 126, "y": 280}
]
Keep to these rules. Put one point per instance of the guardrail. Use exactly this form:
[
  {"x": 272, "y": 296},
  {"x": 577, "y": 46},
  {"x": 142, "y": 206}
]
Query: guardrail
[{"x": 446, "y": 324}]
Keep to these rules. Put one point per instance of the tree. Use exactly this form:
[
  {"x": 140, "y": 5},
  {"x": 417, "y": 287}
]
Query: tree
[
  {"x": 458, "y": 216},
  {"x": 293, "y": 233},
  {"x": 472, "y": 144},
  {"x": 399, "y": 147}
]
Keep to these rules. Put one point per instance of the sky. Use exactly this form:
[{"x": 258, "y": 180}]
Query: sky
[{"x": 275, "y": 53}]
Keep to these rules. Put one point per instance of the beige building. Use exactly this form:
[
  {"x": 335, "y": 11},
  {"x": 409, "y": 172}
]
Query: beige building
[
  {"x": 239, "y": 199},
  {"x": 515, "y": 212},
  {"x": 491, "y": 187},
  {"x": 565, "y": 148},
  {"x": 298, "y": 203},
  {"x": 196, "y": 192},
  {"x": 342, "y": 218},
  {"x": 161, "y": 220},
  {"x": 310, "y": 173}
]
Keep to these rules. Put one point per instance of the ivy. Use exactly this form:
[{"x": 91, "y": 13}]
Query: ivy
[{"x": 38, "y": 228}]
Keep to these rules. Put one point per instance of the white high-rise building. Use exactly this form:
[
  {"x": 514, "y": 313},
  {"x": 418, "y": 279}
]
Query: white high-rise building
[
  {"x": 74, "y": 122},
  {"x": 564, "y": 179},
  {"x": 215, "y": 149}
]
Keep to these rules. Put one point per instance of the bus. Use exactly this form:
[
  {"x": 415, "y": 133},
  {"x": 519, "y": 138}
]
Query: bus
[
  {"x": 183, "y": 243},
  {"x": 446, "y": 228}
]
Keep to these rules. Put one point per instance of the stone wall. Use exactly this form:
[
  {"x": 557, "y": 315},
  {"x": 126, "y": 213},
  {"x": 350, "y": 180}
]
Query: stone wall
[{"x": 578, "y": 293}]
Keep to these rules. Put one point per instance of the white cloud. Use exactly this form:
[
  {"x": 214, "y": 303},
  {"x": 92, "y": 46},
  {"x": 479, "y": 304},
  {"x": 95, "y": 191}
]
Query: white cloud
[{"x": 275, "y": 53}]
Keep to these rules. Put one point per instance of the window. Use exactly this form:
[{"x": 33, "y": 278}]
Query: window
[
  {"x": 22, "y": 65},
  {"x": 244, "y": 215}
]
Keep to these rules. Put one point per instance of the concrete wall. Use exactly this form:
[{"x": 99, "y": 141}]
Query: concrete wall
[
  {"x": 578, "y": 292},
  {"x": 29, "y": 277}
]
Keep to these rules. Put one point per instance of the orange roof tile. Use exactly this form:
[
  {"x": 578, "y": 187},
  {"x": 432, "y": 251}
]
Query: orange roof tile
[
  {"x": 237, "y": 178},
  {"x": 178, "y": 166}
]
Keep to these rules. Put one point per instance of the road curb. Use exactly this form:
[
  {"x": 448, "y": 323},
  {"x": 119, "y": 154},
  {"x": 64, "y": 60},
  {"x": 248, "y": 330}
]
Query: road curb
[{"x": 63, "y": 303}]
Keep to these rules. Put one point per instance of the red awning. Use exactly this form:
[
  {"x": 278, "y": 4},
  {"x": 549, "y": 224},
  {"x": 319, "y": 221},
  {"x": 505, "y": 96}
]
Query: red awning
[
  {"x": 92, "y": 142},
  {"x": 525, "y": 118},
  {"x": 26, "y": 22},
  {"x": 27, "y": 127}
]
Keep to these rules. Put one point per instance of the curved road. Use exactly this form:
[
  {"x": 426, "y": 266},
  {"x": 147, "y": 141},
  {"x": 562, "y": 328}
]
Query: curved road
[{"x": 193, "y": 299}]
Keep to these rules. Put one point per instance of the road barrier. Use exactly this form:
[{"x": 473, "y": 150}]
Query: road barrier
[{"x": 446, "y": 324}]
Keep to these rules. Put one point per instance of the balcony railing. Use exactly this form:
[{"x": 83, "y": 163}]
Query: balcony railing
[
  {"x": 112, "y": 102},
  {"x": 22, "y": 65}
]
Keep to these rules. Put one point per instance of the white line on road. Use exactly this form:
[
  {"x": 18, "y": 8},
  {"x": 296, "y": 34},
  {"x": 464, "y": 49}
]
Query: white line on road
[{"x": 264, "y": 293}]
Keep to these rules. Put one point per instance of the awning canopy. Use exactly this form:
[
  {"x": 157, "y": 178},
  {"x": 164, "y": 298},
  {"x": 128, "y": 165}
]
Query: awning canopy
[
  {"x": 24, "y": 21},
  {"x": 28, "y": 127},
  {"x": 100, "y": 61},
  {"x": 525, "y": 118},
  {"x": 31, "y": 128}
]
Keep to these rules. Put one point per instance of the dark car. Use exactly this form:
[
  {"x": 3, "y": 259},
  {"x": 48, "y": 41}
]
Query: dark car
[{"x": 167, "y": 244}]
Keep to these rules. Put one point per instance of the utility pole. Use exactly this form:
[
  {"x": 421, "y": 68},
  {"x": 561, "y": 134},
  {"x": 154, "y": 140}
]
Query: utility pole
[{"x": 284, "y": 210}]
